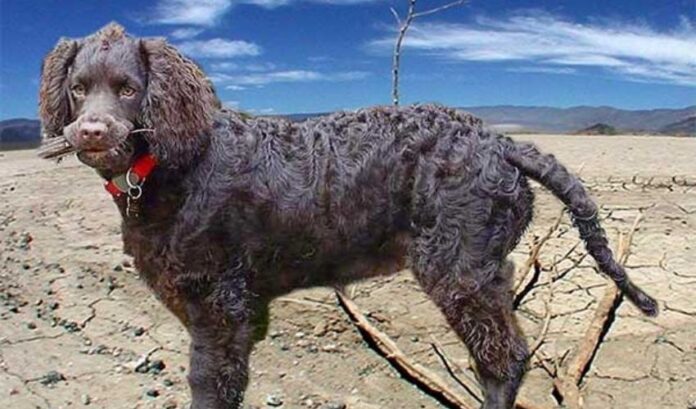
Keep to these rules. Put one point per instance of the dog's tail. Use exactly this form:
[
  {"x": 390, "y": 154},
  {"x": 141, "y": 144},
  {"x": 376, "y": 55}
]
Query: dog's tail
[{"x": 546, "y": 170}]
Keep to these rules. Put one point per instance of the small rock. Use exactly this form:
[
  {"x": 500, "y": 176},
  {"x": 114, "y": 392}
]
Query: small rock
[
  {"x": 85, "y": 399},
  {"x": 333, "y": 405},
  {"x": 320, "y": 329},
  {"x": 153, "y": 393},
  {"x": 156, "y": 366},
  {"x": 167, "y": 382},
  {"x": 331, "y": 348},
  {"x": 52, "y": 378},
  {"x": 170, "y": 404},
  {"x": 31, "y": 325},
  {"x": 139, "y": 331},
  {"x": 274, "y": 400}
]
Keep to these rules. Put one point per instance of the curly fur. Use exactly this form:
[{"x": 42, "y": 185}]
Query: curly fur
[
  {"x": 179, "y": 104},
  {"x": 245, "y": 209},
  {"x": 54, "y": 108}
]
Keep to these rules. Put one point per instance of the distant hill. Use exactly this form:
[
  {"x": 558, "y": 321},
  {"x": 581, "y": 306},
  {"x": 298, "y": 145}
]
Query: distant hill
[
  {"x": 509, "y": 118},
  {"x": 25, "y": 133},
  {"x": 685, "y": 127},
  {"x": 19, "y": 134},
  {"x": 598, "y": 129},
  {"x": 546, "y": 119}
]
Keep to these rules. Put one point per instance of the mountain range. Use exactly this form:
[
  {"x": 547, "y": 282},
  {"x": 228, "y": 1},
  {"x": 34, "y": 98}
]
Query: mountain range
[{"x": 22, "y": 133}]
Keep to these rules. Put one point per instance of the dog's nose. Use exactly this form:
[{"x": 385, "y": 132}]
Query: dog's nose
[{"x": 92, "y": 130}]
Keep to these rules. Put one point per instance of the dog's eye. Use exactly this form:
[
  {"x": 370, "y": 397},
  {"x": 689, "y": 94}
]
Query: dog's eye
[
  {"x": 126, "y": 91},
  {"x": 78, "y": 90}
]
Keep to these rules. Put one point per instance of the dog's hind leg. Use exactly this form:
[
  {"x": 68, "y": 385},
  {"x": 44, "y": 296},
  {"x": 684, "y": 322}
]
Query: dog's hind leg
[
  {"x": 484, "y": 320},
  {"x": 459, "y": 260}
]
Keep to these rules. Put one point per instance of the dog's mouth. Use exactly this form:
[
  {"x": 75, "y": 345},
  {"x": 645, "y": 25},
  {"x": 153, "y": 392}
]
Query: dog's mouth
[{"x": 115, "y": 159}]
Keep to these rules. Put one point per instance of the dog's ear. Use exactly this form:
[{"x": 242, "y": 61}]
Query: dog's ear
[
  {"x": 54, "y": 103},
  {"x": 179, "y": 104}
]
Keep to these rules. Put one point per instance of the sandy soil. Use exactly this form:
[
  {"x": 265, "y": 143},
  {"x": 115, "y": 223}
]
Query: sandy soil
[{"x": 75, "y": 321}]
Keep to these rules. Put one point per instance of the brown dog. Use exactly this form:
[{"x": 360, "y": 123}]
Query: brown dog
[{"x": 223, "y": 212}]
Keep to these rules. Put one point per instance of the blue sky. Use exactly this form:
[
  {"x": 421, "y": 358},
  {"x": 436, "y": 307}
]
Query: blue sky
[{"x": 287, "y": 56}]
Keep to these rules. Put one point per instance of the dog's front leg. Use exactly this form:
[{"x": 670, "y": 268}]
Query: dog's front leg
[{"x": 220, "y": 350}]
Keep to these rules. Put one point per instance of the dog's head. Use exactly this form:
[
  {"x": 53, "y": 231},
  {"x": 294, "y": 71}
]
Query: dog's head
[{"x": 111, "y": 95}]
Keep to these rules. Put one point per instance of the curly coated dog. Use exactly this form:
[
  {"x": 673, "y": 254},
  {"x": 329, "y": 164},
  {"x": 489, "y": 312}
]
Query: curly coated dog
[{"x": 222, "y": 212}]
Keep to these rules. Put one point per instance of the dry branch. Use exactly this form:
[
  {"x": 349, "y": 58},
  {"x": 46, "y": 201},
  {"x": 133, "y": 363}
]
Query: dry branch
[
  {"x": 403, "y": 26},
  {"x": 566, "y": 384},
  {"x": 55, "y": 148},
  {"x": 534, "y": 255},
  {"x": 422, "y": 377},
  {"x": 387, "y": 348}
]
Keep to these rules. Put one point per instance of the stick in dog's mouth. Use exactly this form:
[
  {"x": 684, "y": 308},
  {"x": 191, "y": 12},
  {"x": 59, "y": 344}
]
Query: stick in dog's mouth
[{"x": 55, "y": 148}]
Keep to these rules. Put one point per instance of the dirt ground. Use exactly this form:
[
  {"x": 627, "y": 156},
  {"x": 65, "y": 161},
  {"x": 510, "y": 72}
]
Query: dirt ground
[{"x": 76, "y": 323}]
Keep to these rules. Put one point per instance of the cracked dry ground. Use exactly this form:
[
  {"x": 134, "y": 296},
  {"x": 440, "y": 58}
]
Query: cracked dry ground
[{"x": 76, "y": 322}]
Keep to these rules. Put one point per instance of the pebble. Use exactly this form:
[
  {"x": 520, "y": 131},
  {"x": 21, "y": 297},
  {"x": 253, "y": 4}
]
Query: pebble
[
  {"x": 139, "y": 331},
  {"x": 274, "y": 400},
  {"x": 31, "y": 325},
  {"x": 330, "y": 348},
  {"x": 51, "y": 378},
  {"x": 86, "y": 400},
  {"x": 156, "y": 366},
  {"x": 333, "y": 405},
  {"x": 167, "y": 382},
  {"x": 153, "y": 393}
]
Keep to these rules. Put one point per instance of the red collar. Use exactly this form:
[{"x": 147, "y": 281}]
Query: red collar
[{"x": 131, "y": 181}]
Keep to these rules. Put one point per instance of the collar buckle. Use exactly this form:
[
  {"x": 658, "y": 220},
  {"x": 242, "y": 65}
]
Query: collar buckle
[{"x": 131, "y": 183}]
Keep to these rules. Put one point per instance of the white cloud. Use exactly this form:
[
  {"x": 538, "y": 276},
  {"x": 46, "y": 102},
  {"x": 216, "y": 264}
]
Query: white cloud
[
  {"x": 209, "y": 12},
  {"x": 234, "y": 82},
  {"x": 185, "y": 33},
  {"x": 543, "y": 70},
  {"x": 261, "y": 111},
  {"x": 634, "y": 52},
  {"x": 224, "y": 66},
  {"x": 219, "y": 48},
  {"x": 227, "y": 66},
  {"x": 193, "y": 12}
]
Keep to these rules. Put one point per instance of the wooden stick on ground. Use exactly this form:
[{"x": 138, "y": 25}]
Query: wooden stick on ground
[
  {"x": 469, "y": 385},
  {"x": 566, "y": 385},
  {"x": 534, "y": 255},
  {"x": 422, "y": 377},
  {"x": 387, "y": 348}
]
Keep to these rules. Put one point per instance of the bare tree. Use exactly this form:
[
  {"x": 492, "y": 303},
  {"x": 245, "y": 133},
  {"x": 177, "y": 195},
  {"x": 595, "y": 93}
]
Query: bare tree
[{"x": 403, "y": 26}]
